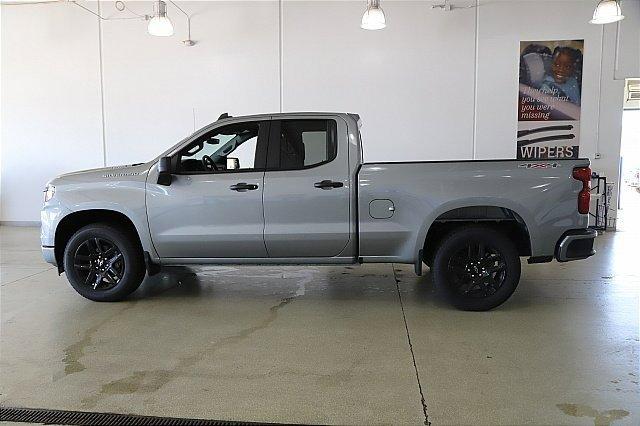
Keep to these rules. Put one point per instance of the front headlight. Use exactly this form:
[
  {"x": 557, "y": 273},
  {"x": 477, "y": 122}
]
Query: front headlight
[{"x": 49, "y": 191}]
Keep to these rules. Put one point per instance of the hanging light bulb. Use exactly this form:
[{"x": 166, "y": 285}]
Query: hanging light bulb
[
  {"x": 607, "y": 11},
  {"x": 373, "y": 18},
  {"x": 160, "y": 25}
]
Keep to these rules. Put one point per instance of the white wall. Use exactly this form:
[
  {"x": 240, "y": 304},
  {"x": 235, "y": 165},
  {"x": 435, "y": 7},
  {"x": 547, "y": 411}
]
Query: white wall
[
  {"x": 412, "y": 83},
  {"x": 153, "y": 85},
  {"x": 50, "y": 102},
  {"x": 432, "y": 85}
]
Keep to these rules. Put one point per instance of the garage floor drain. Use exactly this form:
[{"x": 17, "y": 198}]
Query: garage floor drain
[{"x": 63, "y": 417}]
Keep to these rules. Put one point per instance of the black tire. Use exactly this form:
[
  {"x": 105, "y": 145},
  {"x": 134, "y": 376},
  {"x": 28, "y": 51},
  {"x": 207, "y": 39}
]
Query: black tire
[
  {"x": 103, "y": 263},
  {"x": 477, "y": 268}
]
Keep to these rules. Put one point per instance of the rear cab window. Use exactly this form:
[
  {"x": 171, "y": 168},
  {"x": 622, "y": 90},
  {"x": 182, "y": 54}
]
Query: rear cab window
[{"x": 297, "y": 144}]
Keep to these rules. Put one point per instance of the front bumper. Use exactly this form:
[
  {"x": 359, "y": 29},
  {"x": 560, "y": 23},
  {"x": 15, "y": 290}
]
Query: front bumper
[
  {"x": 50, "y": 216},
  {"x": 575, "y": 245}
]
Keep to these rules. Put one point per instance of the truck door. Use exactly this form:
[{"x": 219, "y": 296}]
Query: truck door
[
  {"x": 306, "y": 188},
  {"x": 213, "y": 207}
]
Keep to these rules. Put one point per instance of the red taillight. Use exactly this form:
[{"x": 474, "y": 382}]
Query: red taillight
[{"x": 583, "y": 174}]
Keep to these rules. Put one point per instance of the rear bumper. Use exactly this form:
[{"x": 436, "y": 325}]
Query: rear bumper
[{"x": 575, "y": 245}]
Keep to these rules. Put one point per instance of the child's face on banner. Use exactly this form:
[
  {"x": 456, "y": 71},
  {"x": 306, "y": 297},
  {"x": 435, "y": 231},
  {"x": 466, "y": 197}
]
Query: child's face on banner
[{"x": 563, "y": 68}]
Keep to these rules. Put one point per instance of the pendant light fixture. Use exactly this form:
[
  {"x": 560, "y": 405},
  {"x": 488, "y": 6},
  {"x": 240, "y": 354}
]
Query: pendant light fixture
[
  {"x": 160, "y": 25},
  {"x": 607, "y": 11},
  {"x": 373, "y": 18}
]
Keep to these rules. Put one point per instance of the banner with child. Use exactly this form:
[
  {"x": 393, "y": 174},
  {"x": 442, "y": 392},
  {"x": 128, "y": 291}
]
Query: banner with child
[{"x": 550, "y": 93}]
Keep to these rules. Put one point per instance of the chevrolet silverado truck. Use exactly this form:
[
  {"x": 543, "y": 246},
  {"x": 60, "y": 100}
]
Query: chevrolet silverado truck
[{"x": 292, "y": 188}]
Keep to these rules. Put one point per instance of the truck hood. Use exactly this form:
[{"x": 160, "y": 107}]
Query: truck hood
[{"x": 130, "y": 171}]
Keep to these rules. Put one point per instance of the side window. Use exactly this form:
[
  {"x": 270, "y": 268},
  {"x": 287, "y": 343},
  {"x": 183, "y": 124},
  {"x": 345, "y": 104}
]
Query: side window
[
  {"x": 232, "y": 147},
  {"x": 306, "y": 143}
]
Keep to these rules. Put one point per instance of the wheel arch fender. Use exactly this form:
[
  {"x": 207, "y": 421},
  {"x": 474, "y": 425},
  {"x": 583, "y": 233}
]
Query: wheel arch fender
[
  {"x": 518, "y": 209},
  {"x": 109, "y": 213}
]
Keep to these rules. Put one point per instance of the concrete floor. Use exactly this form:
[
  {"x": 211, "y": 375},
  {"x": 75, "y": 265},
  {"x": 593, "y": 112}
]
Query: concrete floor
[{"x": 327, "y": 344}]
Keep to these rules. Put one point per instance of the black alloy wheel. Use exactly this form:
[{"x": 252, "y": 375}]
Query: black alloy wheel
[
  {"x": 99, "y": 262},
  {"x": 477, "y": 270},
  {"x": 476, "y": 267},
  {"x": 104, "y": 262}
]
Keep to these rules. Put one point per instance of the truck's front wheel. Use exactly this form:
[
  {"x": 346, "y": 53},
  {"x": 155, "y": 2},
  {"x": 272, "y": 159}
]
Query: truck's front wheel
[
  {"x": 103, "y": 263},
  {"x": 478, "y": 268}
]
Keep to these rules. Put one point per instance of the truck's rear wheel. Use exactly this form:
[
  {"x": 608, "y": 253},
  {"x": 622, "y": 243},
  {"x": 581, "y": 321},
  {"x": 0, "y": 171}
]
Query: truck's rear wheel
[
  {"x": 477, "y": 268},
  {"x": 103, "y": 263}
]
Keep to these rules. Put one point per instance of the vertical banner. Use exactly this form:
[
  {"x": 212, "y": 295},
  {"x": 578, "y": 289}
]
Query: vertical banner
[{"x": 550, "y": 93}]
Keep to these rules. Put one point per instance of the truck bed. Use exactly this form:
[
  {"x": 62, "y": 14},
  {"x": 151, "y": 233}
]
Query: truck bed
[{"x": 542, "y": 193}]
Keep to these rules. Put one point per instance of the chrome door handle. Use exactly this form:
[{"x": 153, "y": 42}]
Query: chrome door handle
[{"x": 242, "y": 186}]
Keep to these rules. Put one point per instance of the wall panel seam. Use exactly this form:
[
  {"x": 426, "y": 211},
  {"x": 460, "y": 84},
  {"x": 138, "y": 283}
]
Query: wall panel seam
[
  {"x": 475, "y": 81},
  {"x": 101, "y": 75},
  {"x": 600, "y": 77},
  {"x": 280, "y": 53}
]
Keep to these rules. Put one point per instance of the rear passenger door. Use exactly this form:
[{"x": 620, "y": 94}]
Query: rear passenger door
[{"x": 307, "y": 188}]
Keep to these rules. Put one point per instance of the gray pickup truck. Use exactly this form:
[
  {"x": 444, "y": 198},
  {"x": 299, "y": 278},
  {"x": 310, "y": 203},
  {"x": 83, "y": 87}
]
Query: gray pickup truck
[{"x": 293, "y": 188}]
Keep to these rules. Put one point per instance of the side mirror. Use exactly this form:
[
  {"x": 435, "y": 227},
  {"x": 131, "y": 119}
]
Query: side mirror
[
  {"x": 233, "y": 163},
  {"x": 164, "y": 171}
]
